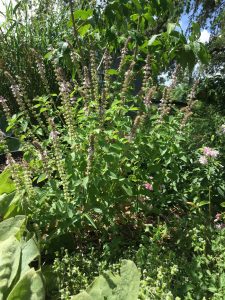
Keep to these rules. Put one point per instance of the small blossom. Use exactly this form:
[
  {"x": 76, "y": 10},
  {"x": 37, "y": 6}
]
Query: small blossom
[
  {"x": 148, "y": 186},
  {"x": 203, "y": 160},
  {"x": 53, "y": 134},
  {"x": 207, "y": 151},
  {"x": 218, "y": 217}
]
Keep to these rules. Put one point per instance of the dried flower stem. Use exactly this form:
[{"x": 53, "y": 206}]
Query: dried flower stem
[
  {"x": 59, "y": 162},
  {"x": 65, "y": 90},
  {"x": 90, "y": 154}
]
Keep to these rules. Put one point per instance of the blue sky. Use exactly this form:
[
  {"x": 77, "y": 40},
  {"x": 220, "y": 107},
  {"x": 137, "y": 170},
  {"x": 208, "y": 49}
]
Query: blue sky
[{"x": 205, "y": 34}]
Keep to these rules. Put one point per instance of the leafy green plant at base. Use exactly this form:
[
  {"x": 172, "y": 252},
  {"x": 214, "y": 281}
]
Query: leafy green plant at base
[
  {"x": 114, "y": 287},
  {"x": 17, "y": 279}
]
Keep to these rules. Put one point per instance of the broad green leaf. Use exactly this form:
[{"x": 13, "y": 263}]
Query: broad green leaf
[
  {"x": 5, "y": 201},
  {"x": 128, "y": 286},
  {"x": 84, "y": 29},
  {"x": 30, "y": 286},
  {"x": 6, "y": 184},
  {"x": 82, "y": 296},
  {"x": 10, "y": 253},
  {"x": 103, "y": 286},
  {"x": 83, "y": 14},
  {"x": 11, "y": 227},
  {"x": 222, "y": 204},
  {"x": 29, "y": 253}
]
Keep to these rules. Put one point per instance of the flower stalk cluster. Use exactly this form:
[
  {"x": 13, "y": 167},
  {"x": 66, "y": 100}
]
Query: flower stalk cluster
[
  {"x": 41, "y": 69},
  {"x": 148, "y": 97},
  {"x": 27, "y": 177},
  {"x": 166, "y": 100},
  {"x": 127, "y": 80},
  {"x": 147, "y": 79},
  {"x": 5, "y": 108},
  {"x": 190, "y": 103},
  {"x": 94, "y": 76},
  {"x": 123, "y": 54},
  {"x": 16, "y": 91},
  {"x": 137, "y": 123},
  {"x": 10, "y": 162},
  {"x": 90, "y": 156},
  {"x": 106, "y": 90},
  {"x": 44, "y": 157},
  {"x": 59, "y": 162},
  {"x": 65, "y": 91},
  {"x": 86, "y": 91}
]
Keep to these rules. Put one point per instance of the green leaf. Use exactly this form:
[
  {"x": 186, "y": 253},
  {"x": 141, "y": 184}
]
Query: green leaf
[
  {"x": 90, "y": 220},
  {"x": 10, "y": 253},
  {"x": 222, "y": 204},
  {"x": 6, "y": 184},
  {"x": 128, "y": 190},
  {"x": 11, "y": 227},
  {"x": 83, "y": 14},
  {"x": 84, "y": 29},
  {"x": 30, "y": 286},
  {"x": 85, "y": 182},
  {"x": 29, "y": 252},
  {"x": 5, "y": 201},
  {"x": 41, "y": 178},
  {"x": 128, "y": 287},
  {"x": 82, "y": 296},
  {"x": 202, "y": 203},
  {"x": 152, "y": 39},
  {"x": 112, "y": 72},
  {"x": 170, "y": 27}
]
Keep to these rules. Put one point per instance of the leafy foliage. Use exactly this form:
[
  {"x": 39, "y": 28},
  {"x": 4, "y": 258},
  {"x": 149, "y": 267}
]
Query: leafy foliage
[{"x": 18, "y": 280}]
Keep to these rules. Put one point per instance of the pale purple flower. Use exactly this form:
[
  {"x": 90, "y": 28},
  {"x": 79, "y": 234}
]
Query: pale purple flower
[
  {"x": 53, "y": 134},
  {"x": 207, "y": 151},
  {"x": 148, "y": 186},
  {"x": 203, "y": 160},
  {"x": 218, "y": 217}
]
